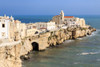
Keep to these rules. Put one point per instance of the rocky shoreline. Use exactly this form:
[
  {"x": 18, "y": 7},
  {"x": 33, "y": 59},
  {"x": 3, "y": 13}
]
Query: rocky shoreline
[
  {"x": 13, "y": 55},
  {"x": 58, "y": 37}
]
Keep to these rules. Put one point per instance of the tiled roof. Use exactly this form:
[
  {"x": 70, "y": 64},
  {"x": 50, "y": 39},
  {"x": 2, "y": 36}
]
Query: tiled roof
[{"x": 68, "y": 16}]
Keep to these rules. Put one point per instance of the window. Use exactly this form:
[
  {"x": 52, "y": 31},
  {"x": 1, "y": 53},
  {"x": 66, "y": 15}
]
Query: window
[
  {"x": 3, "y": 25},
  {"x": 36, "y": 32},
  {"x": 74, "y": 20}
]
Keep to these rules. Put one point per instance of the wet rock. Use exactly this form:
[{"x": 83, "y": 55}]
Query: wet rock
[{"x": 25, "y": 57}]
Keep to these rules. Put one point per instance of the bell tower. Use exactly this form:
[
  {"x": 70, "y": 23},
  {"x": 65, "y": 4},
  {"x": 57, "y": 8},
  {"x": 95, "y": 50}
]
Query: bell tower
[{"x": 62, "y": 15}]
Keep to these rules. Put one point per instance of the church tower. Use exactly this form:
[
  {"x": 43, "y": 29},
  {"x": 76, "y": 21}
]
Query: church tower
[{"x": 62, "y": 15}]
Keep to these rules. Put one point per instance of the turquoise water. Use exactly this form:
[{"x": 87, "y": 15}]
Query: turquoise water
[{"x": 83, "y": 52}]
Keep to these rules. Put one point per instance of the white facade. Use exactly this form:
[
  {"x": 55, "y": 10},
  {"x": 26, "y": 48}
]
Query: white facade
[
  {"x": 80, "y": 22},
  {"x": 4, "y": 28},
  {"x": 46, "y": 26},
  {"x": 71, "y": 23},
  {"x": 41, "y": 25},
  {"x": 51, "y": 26}
]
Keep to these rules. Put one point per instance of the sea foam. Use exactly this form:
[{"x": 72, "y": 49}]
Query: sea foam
[
  {"x": 68, "y": 41},
  {"x": 88, "y": 53},
  {"x": 95, "y": 33},
  {"x": 98, "y": 59},
  {"x": 76, "y": 62}
]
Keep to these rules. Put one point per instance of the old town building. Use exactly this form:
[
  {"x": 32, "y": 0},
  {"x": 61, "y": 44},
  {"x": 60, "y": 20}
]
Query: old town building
[
  {"x": 46, "y": 26},
  {"x": 31, "y": 30},
  {"x": 68, "y": 20},
  {"x": 7, "y": 27}
]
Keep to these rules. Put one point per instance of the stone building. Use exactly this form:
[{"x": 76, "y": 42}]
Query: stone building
[
  {"x": 30, "y": 25},
  {"x": 11, "y": 29},
  {"x": 81, "y": 22},
  {"x": 56, "y": 19},
  {"x": 4, "y": 28},
  {"x": 51, "y": 26},
  {"x": 31, "y": 30},
  {"x": 60, "y": 19},
  {"x": 17, "y": 30},
  {"x": 22, "y": 30},
  {"x": 7, "y": 28},
  {"x": 41, "y": 25},
  {"x": 68, "y": 20},
  {"x": 46, "y": 26}
]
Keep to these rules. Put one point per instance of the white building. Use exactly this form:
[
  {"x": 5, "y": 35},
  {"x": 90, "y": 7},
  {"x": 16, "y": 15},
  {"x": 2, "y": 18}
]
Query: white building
[
  {"x": 41, "y": 25},
  {"x": 8, "y": 28},
  {"x": 80, "y": 22},
  {"x": 4, "y": 28},
  {"x": 51, "y": 26},
  {"x": 46, "y": 26},
  {"x": 31, "y": 30}
]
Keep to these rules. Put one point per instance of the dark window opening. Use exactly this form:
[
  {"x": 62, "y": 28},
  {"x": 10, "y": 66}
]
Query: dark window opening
[
  {"x": 3, "y": 25},
  {"x": 36, "y": 32}
]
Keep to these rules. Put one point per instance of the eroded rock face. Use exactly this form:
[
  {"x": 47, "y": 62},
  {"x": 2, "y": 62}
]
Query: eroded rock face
[
  {"x": 26, "y": 47},
  {"x": 60, "y": 36},
  {"x": 53, "y": 38},
  {"x": 10, "y": 56}
]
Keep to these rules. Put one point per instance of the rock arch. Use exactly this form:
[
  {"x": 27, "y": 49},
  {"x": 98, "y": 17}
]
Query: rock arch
[{"x": 35, "y": 46}]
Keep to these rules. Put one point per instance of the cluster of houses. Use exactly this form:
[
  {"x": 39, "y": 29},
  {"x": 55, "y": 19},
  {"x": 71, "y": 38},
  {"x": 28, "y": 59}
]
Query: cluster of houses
[
  {"x": 68, "y": 20},
  {"x": 15, "y": 30}
]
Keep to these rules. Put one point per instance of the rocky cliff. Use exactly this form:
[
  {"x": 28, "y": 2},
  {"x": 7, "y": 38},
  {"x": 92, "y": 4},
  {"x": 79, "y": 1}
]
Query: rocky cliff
[
  {"x": 58, "y": 37},
  {"x": 11, "y": 52},
  {"x": 10, "y": 55}
]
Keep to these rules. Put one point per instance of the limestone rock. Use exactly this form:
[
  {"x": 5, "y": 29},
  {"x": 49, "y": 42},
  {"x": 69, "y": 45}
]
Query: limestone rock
[{"x": 10, "y": 56}]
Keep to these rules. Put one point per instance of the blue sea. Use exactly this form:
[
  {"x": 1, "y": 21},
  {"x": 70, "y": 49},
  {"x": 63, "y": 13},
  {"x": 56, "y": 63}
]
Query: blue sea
[{"x": 83, "y": 52}]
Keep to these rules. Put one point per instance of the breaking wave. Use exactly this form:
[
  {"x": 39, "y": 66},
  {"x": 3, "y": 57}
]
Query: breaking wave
[
  {"x": 88, "y": 53},
  {"x": 95, "y": 33}
]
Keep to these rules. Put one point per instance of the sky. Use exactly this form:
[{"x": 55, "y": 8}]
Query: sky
[{"x": 49, "y": 7}]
